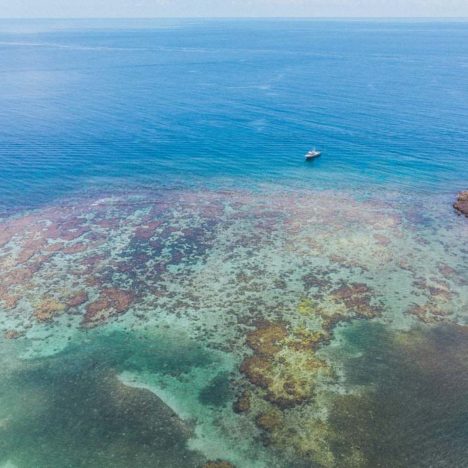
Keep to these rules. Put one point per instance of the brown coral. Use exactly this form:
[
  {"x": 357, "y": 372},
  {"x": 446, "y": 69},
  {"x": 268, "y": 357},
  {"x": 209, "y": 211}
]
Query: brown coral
[
  {"x": 9, "y": 301},
  {"x": 269, "y": 421},
  {"x": 29, "y": 249},
  {"x": 283, "y": 364},
  {"x": 461, "y": 204},
  {"x": 305, "y": 339},
  {"x": 75, "y": 248},
  {"x": 77, "y": 299},
  {"x": 256, "y": 369},
  {"x": 48, "y": 309},
  {"x": 242, "y": 403},
  {"x": 12, "y": 334},
  {"x": 357, "y": 297},
  {"x": 147, "y": 231},
  {"x": 112, "y": 301},
  {"x": 266, "y": 338}
]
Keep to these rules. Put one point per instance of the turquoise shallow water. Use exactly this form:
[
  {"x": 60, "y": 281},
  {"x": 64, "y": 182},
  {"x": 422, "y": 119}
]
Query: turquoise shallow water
[{"x": 179, "y": 288}]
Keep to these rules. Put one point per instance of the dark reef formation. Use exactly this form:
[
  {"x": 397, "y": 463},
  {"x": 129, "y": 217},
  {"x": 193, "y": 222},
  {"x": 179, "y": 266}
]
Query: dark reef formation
[
  {"x": 414, "y": 407},
  {"x": 72, "y": 410}
]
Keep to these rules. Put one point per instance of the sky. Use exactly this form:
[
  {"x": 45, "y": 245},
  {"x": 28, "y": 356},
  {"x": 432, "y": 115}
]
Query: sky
[{"x": 231, "y": 8}]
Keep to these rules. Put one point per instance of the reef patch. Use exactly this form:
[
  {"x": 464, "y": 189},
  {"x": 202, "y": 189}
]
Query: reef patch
[
  {"x": 461, "y": 204},
  {"x": 284, "y": 367}
]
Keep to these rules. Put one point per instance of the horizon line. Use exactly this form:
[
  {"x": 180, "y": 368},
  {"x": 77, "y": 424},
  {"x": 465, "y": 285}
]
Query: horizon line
[{"x": 233, "y": 17}]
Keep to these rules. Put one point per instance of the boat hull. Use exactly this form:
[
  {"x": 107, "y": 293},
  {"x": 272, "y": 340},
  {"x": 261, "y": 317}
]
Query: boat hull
[{"x": 309, "y": 157}]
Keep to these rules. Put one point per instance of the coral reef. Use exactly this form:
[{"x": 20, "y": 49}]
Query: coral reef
[
  {"x": 12, "y": 334},
  {"x": 284, "y": 365},
  {"x": 166, "y": 237},
  {"x": 461, "y": 204},
  {"x": 112, "y": 301},
  {"x": 77, "y": 299},
  {"x": 437, "y": 305},
  {"x": 269, "y": 278},
  {"x": 242, "y": 404},
  {"x": 357, "y": 298},
  {"x": 48, "y": 309},
  {"x": 267, "y": 339},
  {"x": 269, "y": 421}
]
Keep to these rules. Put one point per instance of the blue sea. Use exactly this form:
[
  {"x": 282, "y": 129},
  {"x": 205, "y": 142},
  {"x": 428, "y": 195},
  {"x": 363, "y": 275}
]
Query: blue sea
[
  {"x": 179, "y": 287},
  {"x": 92, "y": 103}
]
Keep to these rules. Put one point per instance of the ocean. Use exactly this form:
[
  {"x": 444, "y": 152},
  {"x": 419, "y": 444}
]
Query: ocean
[{"x": 179, "y": 287}]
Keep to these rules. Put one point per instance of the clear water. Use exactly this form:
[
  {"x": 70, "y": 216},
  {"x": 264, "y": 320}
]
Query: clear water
[{"x": 179, "y": 288}]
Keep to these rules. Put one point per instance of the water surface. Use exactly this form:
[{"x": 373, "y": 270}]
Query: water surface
[{"x": 179, "y": 288}]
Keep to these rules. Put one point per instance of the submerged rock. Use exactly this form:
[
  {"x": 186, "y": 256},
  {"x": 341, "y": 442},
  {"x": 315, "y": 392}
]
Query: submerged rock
[{"x": 461, "y": 205}]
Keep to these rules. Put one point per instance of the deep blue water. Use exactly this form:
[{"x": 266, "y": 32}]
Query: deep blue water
[{"x": 164, "y": 102}]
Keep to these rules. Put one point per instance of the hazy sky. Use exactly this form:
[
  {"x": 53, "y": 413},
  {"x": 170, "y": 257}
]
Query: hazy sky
[{"x": 193, "y": 8}]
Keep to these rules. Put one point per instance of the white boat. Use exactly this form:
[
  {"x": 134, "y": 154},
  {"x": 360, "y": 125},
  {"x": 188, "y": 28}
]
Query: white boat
[{"x": 312, "y": 154}]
